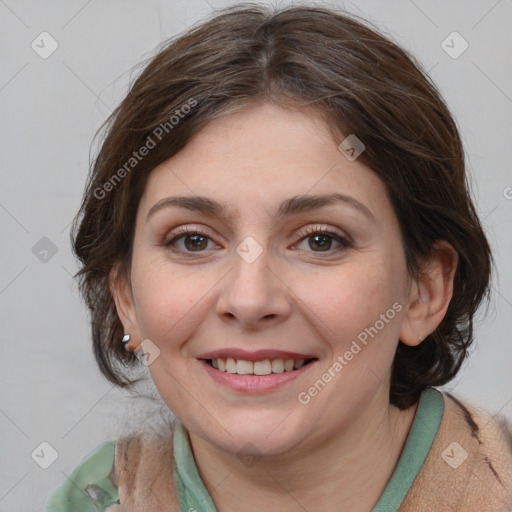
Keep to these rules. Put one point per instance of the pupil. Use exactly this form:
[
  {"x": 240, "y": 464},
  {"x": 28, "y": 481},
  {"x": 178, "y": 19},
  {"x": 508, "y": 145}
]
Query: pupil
[
  {"x": 326, "y": 242},
  {"x": 197, "y": 242}
]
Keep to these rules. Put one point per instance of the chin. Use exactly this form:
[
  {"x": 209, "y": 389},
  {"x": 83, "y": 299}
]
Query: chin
[{"x": 256, "y": 436}]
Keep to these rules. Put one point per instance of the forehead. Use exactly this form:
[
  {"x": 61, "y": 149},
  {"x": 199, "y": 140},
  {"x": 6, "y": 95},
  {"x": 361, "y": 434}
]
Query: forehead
[{"x": 263, "y": 155}]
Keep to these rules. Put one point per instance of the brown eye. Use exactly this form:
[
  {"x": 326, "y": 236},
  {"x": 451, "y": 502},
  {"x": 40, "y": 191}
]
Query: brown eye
[
  {"x": 322, "y": 241},
  {"x": 192, "y": 241},
  {"x": 196, "y": 242}
]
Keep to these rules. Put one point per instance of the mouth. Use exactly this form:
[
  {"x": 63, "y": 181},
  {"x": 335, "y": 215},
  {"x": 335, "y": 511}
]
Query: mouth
[
  {"x": 255, "y": 372},
  {"x": 257, "y": 368}
]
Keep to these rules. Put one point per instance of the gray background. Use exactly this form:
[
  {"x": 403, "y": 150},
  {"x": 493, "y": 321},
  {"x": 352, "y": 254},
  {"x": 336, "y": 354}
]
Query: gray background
[{"x": 51, "y": 389}]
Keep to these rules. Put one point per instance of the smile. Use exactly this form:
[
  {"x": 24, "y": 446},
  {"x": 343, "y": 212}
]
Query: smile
[
  {"x": 263, "y": 367},
  {"x": 257, "y": 372}
]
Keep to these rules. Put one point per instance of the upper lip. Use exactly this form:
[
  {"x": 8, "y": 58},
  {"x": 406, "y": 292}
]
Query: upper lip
[{"x": 257, "y": 355}]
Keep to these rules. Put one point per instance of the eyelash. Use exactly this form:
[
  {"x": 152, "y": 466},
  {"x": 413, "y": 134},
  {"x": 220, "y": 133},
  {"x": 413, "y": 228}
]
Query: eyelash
[{"x": 345, "y": 242}]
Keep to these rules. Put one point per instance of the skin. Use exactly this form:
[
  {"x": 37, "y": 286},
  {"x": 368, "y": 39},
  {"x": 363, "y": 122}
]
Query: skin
[{"x": 343, "y": 445}]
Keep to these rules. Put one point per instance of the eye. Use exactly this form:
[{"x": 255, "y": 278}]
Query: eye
[
  {"x": 194, "y": 240},
  {"x": 189, "y": 240},
  {"x": 321, "y": 240}
]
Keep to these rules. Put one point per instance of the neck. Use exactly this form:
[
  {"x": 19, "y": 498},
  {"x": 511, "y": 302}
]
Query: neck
[{"x": 352, "y": 467}]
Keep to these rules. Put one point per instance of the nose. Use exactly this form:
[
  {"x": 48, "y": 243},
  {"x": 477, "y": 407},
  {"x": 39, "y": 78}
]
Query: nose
[{"x": 254, "y": 295}]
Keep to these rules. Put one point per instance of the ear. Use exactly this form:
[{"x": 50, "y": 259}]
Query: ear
[
  {"x": 121, "y": 289},
  {"x": 430, "y": 295}
]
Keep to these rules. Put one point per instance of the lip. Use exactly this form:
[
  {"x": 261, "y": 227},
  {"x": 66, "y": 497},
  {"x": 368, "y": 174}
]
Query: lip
[
  {"x": 254, "y": 384},
  {"x": 258, "y": 355}
]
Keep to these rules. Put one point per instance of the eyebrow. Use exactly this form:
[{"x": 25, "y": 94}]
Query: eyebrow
[{"x": 289, "y": 207}]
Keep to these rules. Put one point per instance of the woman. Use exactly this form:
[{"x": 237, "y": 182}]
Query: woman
[{"x": 278, "y": 226}]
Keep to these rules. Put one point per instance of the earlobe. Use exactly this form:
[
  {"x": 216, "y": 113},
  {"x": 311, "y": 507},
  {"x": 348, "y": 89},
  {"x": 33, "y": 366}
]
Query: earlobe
[{"x": 430, "y": 295}]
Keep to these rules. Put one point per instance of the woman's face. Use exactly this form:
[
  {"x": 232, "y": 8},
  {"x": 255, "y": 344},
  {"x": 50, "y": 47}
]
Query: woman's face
[{"x": 267, "y": 275}]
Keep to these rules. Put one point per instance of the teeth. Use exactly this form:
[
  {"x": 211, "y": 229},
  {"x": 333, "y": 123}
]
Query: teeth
[
  {"x": 277, "y": 366},
  {"x": 265, "y": 367},
  {"x": 262, "y": 367},
  {"x": 299, "y": 363},
  {"x": 244, "y": 367},
  {"x": 230, "y": 365},
  {"x": 288, "y": 365}
]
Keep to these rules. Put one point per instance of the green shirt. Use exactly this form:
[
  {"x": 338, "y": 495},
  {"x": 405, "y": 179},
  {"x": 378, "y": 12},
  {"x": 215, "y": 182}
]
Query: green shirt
[{"x": 90, "y": 488}]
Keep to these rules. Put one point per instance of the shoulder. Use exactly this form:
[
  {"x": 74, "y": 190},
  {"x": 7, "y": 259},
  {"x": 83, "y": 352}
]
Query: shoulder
[
  {"x": 488, "y": 435},
  {"x": 469, "y": 465},
  {"x": 144, "y": 467},
  {"x": 92, "y": 484}
]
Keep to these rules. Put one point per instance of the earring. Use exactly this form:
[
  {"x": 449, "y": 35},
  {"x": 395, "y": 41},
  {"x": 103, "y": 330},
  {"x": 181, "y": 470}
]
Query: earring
[
  {"x": 125, "y": 340},
  {"x": 420, "y": 338}
]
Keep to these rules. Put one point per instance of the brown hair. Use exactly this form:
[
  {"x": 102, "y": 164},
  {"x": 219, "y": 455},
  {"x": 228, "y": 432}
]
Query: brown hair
[{"x": 307, "y": 57}]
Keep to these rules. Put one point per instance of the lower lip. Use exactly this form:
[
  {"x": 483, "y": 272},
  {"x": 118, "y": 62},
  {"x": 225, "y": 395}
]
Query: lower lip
[{"x": 254, "y": 383}]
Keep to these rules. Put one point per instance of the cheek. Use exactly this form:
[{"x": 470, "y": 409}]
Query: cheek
[
  {"x": 168, "y": 301},
  {"x": 347, "y": 301}
]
